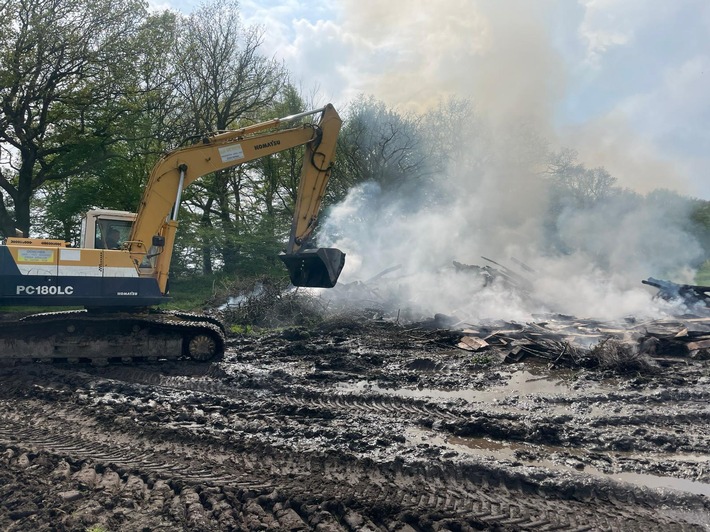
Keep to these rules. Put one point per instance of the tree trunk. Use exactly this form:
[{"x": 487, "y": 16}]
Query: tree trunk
[
  {"x": 230, "y": 248},
  {"x": 206, "y": 222}
]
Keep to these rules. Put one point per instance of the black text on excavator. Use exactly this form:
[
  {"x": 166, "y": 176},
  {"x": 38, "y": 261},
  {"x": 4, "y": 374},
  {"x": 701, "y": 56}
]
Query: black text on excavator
[{"x": 121, "y": 266}]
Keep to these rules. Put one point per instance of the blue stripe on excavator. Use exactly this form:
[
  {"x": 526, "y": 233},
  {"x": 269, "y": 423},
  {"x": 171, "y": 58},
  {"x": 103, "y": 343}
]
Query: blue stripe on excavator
[
  {"x": 45, "y": 290},
  {"x": 7, "y": 263},
  {"x": 54, "y": 290}
]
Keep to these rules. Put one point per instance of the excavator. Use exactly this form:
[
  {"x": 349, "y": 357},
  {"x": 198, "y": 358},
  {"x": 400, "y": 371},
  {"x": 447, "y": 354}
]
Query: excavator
[{"x": 119, "y": 272}]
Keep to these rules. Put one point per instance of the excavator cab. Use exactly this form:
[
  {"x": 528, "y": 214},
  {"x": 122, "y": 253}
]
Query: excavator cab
[
  {"x": 105, "y": 229},
  {"x": 315, "y": 268}
]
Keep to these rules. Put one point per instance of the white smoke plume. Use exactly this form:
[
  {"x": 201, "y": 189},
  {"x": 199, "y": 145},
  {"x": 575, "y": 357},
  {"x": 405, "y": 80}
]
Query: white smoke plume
[
  {"x": 502, "y": 213},
  {"x": 586, "y": 262}
]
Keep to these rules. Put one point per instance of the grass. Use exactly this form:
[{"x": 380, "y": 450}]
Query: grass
[
  {"x": 241, "y": 329},
  {"x": 619, "y": 357},
  {"x": 191, "y": 293},
  {"x": 481, "y": 359}
]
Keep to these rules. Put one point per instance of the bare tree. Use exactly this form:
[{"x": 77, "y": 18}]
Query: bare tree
[{"x": 381, "y": 145}]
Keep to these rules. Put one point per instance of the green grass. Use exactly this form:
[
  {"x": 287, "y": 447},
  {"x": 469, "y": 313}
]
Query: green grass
[
  {"x": 191, "y": 293},
  {"x": 241, "y": 329}
]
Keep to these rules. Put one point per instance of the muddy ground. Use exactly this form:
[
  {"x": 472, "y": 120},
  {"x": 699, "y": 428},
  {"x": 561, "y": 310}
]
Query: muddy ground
[{"x": 355, "y": 424}]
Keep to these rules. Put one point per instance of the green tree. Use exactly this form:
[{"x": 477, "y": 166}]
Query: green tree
[
  {"x": 140, "y": 135},
  {"x": 64, "y": 66},
  {"x": 574, "y": 183}
]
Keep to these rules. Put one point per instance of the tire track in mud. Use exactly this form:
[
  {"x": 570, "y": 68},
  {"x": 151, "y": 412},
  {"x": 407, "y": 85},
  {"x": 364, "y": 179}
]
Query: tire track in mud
[
  {"x": 660, "y": 430},
  {"x": 359, "y": 491},
  {"x": 657, "y": 427},
  {"x": 417, "y": 493}
]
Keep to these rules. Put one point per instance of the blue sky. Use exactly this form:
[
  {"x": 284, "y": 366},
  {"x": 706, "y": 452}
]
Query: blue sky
[{"x": 625, "y": 82}]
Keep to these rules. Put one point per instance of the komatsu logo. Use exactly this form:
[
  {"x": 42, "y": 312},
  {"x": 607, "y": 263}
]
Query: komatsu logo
[
  {"x": 267, "y": 145},
  {"x": 45, "y": 290}
]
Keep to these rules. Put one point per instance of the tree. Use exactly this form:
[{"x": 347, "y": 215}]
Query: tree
[
  {"x": 381, "y": 145},
  {"x": 224, "y": 82},
  {"x": 575, "y": 183},
  {"x": 64, "y": 66}
]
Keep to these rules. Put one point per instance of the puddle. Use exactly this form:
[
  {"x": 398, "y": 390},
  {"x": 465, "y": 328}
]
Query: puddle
[
  {"x": 521, "y": 383},
  {"x": 482, "y": 447},
  {"x": 653, "y": 481},
  {"x": 261, "y": 369}
]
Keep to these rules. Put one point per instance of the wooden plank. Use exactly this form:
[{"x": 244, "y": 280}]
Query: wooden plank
[
  {"x": 472, "y": 343},
  {"x": 701, "y": 344}
]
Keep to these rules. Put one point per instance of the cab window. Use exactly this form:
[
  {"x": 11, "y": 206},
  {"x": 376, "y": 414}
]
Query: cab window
[{"x": 110, "y": 234}]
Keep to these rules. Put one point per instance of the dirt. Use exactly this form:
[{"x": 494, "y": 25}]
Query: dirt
[{"x": 356, "y": 424}]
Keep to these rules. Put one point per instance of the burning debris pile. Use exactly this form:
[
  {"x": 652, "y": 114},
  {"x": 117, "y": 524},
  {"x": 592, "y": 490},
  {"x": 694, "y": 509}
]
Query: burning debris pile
[
  {"x": 627, "y": 344},
  {"x": 502, "y": 274},
  {"x": 691, "y": 295},
  {"x": 384, "y": 293}
]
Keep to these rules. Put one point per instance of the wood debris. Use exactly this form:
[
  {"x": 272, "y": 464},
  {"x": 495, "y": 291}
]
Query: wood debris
[
  {"x": 565, "y": 340},
  {"x": 472, "y": 343}
]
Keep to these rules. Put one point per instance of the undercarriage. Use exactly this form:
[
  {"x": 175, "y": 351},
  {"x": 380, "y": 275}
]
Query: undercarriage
[{"x": 103, "y": 337}]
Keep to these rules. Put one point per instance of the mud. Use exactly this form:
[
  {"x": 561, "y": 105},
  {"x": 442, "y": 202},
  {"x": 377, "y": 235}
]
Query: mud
[{"x": 354, "y": 425}]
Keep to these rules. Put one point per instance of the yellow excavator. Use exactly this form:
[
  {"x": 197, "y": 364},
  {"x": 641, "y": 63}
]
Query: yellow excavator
[{"x": 120, "y": 269}]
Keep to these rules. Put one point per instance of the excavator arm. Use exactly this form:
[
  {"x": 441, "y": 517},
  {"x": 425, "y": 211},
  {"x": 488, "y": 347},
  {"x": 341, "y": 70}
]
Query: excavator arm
[{"x": 153, "y": 234}]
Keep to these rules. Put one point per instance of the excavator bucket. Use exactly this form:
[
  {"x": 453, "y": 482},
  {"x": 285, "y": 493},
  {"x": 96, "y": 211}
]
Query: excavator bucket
[{"x": 316, "y": 268}]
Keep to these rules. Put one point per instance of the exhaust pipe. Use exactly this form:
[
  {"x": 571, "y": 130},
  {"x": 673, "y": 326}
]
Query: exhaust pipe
[{"x": 315, "y": 268}]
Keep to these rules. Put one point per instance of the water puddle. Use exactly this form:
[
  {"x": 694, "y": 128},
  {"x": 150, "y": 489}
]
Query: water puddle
[
  {"x": 263, "y": 369},
  {"x": 654, "y": 481},
  {"x": 508, "y": 451},
  {"x": 520, "y": 383}
]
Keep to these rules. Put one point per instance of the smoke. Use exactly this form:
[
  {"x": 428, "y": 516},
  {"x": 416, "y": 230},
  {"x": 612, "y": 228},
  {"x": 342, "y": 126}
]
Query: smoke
[
  {"x": 610, "y": 142},
  {"x": 610, "y": 247},
  {"x": 498, "y": 52},
  {"x": 493, "y": 198},
  {"x": 583, "y": 260}
]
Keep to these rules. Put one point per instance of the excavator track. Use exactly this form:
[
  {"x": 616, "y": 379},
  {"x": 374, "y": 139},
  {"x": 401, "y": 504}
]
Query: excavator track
[{"x": 103, "y": 337}]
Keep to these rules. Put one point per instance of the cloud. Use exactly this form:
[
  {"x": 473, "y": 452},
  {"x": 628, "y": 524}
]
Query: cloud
[
  {"x": 606, "y": 25},
  {"x": 646, "y": 96},
  {"x": 677, "y": 110},
  {"x": 183, "y": 6}
]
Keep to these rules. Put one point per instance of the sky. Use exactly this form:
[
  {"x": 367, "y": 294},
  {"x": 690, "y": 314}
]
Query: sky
[{"x": 624, "y": 82}]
